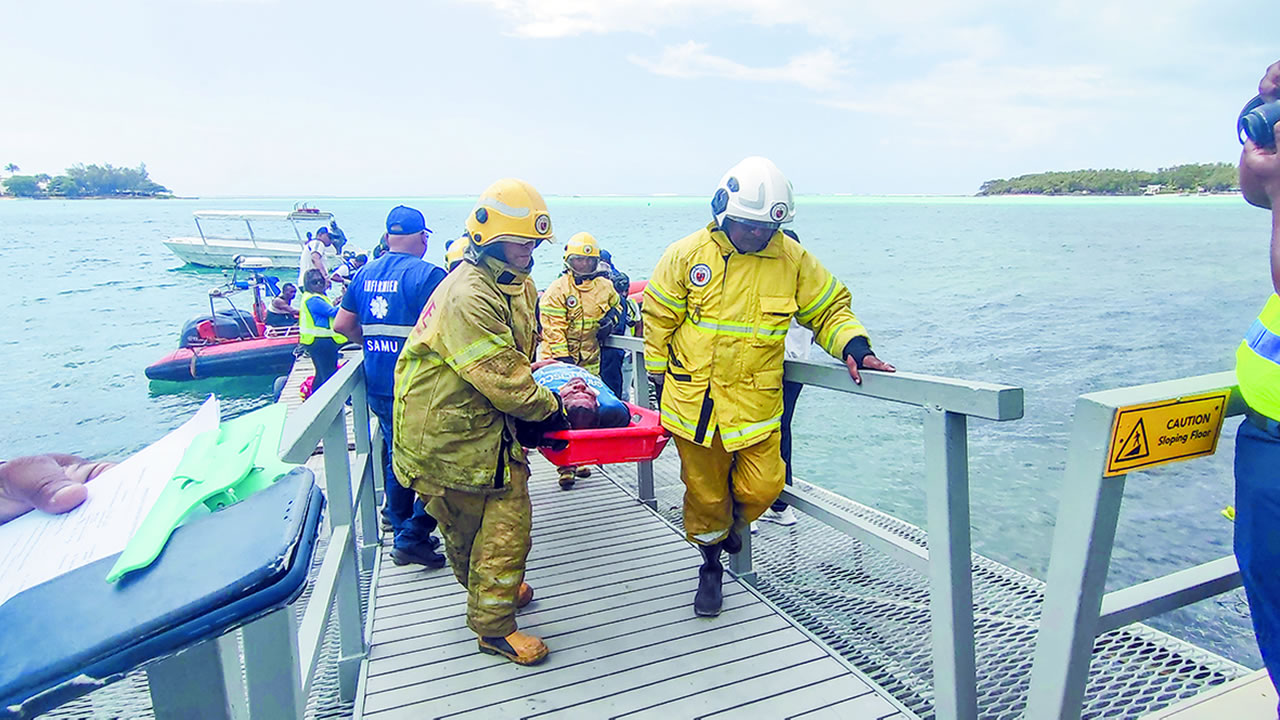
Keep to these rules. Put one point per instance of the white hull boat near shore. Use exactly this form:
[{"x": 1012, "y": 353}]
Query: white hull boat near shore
[{"x": 224, "y": 235}]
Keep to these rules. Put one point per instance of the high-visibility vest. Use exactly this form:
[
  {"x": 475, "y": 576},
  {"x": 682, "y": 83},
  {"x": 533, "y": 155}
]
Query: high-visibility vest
[
  {"x": 307, "y": 328},
  {"x": 1258, "y": 361}
]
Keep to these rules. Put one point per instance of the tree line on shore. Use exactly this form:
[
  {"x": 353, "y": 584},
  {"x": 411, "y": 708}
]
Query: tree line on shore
[
  {"x": 81, "y": 180},
  {"x": 1196, "y": 177}
]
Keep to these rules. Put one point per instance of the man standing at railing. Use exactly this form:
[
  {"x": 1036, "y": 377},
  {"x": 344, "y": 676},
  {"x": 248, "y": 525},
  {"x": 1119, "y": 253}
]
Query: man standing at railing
[
  {"x": 466, "y": 400},
  {"x": 379, "y": 309},
  {"x": 1257, "y": 526},
  {"x": 716, "y": 313}
]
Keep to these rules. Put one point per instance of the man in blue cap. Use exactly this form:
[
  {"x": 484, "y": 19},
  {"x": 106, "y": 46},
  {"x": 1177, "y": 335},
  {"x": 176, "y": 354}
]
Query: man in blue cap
[{"x": 380, "y": 307}]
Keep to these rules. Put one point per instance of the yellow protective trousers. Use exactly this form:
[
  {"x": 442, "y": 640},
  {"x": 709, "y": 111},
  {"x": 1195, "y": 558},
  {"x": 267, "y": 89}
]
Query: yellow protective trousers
[
  {"x": 486, "y": 539},
  {"x": 722, "y": 488}
]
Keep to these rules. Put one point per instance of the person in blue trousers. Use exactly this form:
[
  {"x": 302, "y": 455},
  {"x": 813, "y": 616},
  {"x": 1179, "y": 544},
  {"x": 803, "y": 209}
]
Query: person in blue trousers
[
  {"x": 379, "y": 308},
  {"x": 1257, "y": 530}
]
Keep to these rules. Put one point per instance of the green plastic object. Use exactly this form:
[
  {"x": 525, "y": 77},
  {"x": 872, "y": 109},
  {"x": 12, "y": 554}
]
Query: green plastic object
[{"x": 221, "y": 467}]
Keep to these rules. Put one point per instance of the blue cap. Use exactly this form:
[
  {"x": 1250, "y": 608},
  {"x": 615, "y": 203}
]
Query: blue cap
[{"x": 406, "y": 221}]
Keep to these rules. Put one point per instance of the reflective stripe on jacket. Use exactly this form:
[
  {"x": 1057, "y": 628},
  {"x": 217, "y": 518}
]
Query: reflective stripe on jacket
[
  {"x": 1258, "y": 361},
  {"x": 715, "y": 321},
  {"x": 464, "y": 376},
  {"x": 570, "y": 314},
  {"x": 308, "y": 331}
]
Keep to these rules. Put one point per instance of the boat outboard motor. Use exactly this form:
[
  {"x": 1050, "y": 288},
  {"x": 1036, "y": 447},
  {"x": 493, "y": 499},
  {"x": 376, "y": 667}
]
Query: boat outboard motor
[{"x": 225, "y": 325}]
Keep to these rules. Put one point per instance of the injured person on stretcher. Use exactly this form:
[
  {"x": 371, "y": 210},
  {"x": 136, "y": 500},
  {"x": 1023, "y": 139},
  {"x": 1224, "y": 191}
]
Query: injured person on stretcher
[{"x": 588, "y": 402}]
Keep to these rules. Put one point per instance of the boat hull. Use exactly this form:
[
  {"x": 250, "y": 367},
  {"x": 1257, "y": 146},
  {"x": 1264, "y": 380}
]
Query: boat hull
[
  {"x": 222, "y": 253},
  {"x": 259, "y": 356}
]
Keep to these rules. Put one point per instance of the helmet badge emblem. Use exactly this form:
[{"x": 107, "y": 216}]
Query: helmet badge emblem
[
  {"x": 700, "y": 274},
  {"x": 542, "y": 224},
  {"x": 482, "y": 215},
  {"x": 778, "y": 212}
]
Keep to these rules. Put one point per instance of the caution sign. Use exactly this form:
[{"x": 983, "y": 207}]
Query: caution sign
[{"x": 1143, "y": 436}]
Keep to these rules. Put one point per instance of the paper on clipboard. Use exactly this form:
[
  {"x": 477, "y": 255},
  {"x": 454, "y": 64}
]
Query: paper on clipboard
[{"x": 37, "y": 547}]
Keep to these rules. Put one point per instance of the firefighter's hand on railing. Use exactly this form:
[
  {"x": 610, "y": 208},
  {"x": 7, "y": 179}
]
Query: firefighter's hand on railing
[{"x": 869, "y": 362}]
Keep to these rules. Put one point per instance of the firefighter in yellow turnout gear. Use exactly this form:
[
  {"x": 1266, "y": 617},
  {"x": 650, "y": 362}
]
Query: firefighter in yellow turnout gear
[
  {"x": 465, "y": 400},
  {"x": 716, "y": 312},
  {"x": 577, "y": 309}
]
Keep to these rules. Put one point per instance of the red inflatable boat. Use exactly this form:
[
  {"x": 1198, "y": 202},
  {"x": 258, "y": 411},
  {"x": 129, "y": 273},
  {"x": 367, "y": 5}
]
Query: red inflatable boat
[{"x": 230, "y": 342}]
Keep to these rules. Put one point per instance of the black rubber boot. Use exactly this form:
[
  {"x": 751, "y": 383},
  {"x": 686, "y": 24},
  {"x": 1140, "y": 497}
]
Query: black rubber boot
[
  {"x": 732, "y": 542},
  {"x": 706, "y": 603}
]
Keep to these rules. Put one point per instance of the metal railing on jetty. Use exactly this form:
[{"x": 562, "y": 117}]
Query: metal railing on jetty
[
  {"x": 1076, "y": 610},
  {"x": 291, "y": 649},
  {"x": 959, "y": 678},
  {"x": 947, "y": 405}
]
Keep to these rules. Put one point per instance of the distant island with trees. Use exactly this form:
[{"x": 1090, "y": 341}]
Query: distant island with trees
[
  {"x": 84, "y": 181},
  {"x": 1194, "y": 178}
]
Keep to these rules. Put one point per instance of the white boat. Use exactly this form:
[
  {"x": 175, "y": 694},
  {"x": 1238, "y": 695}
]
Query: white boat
[{"x": 277, "y": 236}]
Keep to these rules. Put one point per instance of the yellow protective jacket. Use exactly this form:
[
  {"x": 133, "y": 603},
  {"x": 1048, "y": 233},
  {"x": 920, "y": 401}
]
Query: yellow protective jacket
[
  {"x": 462, "y": 379},
  {"x": 571, "y": 313},
  {"x": 714, "y": 324}
]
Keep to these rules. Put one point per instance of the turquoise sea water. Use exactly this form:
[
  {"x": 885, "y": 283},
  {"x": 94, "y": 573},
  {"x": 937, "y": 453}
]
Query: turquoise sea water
[{"x": 1060, "y": 296}]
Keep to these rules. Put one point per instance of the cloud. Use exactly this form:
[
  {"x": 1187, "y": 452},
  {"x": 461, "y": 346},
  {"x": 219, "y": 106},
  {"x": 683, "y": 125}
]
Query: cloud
[
  {"x": 969, "y": 102},
  {"x": 818, "y": 70},
  {"x": 567, "y": 18}
]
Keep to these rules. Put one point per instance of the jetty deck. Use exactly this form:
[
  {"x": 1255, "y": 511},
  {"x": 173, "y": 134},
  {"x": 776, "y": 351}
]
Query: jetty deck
[{"x": 614, "y": 588}]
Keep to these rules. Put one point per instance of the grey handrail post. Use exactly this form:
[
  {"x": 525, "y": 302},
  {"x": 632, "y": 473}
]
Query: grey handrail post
[
  {"x": 337, "y": 480},
  {"x": 201, "y": 681},
  {"x": 950, "y": 565},
  {"x": 741, "y": 564},
  {"x": 368, "y": 506},
  {"x": 644, "y": 470},
  {"x": 379, "y": 470},
  {"x": 1083, "y": 537},
  {"x": 272, "y": 666}
]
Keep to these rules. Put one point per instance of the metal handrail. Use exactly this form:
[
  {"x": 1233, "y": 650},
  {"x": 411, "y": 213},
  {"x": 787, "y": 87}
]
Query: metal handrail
[
  {"x": 1076, "y": 607},
  {"x": 947, "y": 403},
  {"x": 281, "y": 653}
]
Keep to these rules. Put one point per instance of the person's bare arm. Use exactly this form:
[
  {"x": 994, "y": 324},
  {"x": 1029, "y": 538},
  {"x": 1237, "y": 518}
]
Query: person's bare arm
[
  {"x": 348, "y": 323},
  {"x": 1260, "y": 174}
]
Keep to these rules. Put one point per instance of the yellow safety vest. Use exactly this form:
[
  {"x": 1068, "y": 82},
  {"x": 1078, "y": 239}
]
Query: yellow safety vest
[
  {"x": 715, "y": 321},
  {"x": 1258, "y": 361},
  {"x": 307, "y": 329}
]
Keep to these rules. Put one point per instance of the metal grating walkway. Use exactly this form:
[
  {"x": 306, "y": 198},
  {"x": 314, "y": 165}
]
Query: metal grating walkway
[
  {"x": 614, "y": 588},
  {"x": 875, "y": 612}
]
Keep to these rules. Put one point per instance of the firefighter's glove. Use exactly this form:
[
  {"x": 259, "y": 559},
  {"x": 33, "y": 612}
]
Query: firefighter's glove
[
  {"x": 608, "y": 324},
  {"x": 655, "y": 389},
  {"x": 531, "y": 433}
]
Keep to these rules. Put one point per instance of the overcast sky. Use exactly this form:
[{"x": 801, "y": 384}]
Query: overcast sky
[{"x": 409, "y": 98}]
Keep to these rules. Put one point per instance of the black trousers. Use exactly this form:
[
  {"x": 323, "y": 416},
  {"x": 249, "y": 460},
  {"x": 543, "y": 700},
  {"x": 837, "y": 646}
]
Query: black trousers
[
  {"x": 790, "y": 394},
  {"x": 324, "y": 356},
  {"x": 611, "y": 369}
]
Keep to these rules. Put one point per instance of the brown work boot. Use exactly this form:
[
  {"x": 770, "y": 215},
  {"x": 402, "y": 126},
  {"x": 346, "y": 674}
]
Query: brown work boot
[
  {"x": 517, "y": 647},
  {"x": 525, "y": 595},
  {"x": 583, "y": 472},
  {"x": 566, "y": 478}
]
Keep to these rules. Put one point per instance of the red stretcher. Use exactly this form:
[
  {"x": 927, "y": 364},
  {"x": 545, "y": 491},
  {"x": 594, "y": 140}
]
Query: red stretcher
[{"x": 642, "y": 440}]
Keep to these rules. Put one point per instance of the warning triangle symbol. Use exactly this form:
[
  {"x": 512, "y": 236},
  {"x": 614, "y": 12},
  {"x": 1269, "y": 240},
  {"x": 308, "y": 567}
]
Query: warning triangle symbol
[{"x": 1135, "y": 446}]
